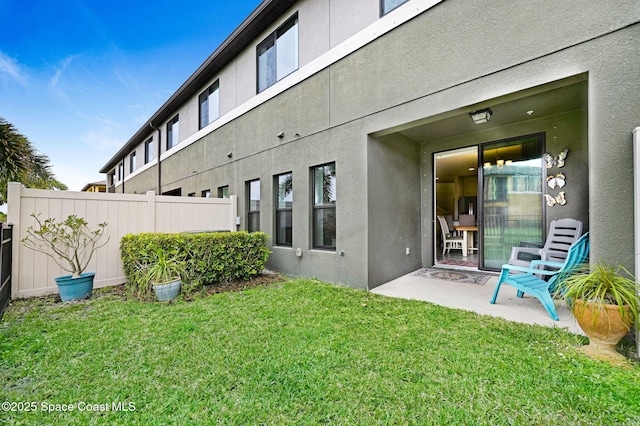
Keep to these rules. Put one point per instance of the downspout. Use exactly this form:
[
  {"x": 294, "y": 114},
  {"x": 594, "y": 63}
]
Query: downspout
[
  {"x": 122, "y": 162},
  {"x": 159, "y": 162},
  {"x": 636, "y": 221}
]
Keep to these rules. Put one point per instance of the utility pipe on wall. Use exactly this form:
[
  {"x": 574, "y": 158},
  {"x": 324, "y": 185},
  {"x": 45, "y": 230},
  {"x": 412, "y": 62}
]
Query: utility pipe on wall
[
  {"x": 159, "y": 191},
  {"x": 636, "y": 215}
]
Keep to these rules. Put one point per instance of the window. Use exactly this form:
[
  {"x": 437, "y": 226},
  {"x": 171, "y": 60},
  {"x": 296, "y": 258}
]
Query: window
[
  {"x": 387, "y": 6},
  {"x": 209, "y": 105},
  {"x": 206, "y": 193},
  {"x": 173, "y": 133},
  {"x": 132, "y": 162},
  {"x": 253, "y": 205},
  {"x": 148, "y": 150},
  {"x": 324, "y": 206},
  {"x": 284, "y": 206},
  {"x": 223, "y": 191},
  {"x": 191, "y": 194},
  {"x": 121, "y": 171},
  {"x": 278, "y": 54}
]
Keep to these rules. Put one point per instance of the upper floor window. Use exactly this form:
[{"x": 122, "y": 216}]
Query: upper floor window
[
  {"x": 387, "y": 6},
  {"x": 132, "y": 162},
  {"x": 121, "y": 171},
  {"x": 284, "y": 209},
  {"x": 209, "y": 105},
  {"x": 173, "y": 133},
  {"x": 278, "y": 54},
  {"x": 148, "y": 150},
  {"x": 324, "y": 206}
]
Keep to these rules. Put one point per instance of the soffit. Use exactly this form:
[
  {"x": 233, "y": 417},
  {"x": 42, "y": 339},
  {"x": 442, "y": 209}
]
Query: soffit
[
  {"x": 543, "y": 101},
  {"x": 552, "y": 99}
]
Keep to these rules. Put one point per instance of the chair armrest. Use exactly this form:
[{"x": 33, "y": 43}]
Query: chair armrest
[
  {"x": 556, "y": 265},
  {"x": 531, "y": 244},
  {"x": 530, "y": 269},
  {"x": 550, "y": 254},
  {"x": 529, "y": 252}
]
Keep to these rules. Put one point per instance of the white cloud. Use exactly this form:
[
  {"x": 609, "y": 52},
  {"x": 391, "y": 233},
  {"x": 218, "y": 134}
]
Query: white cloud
[
  {"x": 101, "y": 140},
  {"x": 55, "y": 80},
  {"x": 10, "y": 69}
]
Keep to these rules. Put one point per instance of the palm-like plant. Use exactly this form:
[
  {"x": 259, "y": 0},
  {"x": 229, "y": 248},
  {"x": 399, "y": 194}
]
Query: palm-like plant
[
  {"x": 20, "y": 162},
  {"x": 602, "y": 283}
]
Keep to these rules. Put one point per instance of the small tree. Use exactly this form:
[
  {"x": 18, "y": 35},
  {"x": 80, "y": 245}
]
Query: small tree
[
  {"x": 69, "y": 243},
  {"x": 21, "y": 162}
]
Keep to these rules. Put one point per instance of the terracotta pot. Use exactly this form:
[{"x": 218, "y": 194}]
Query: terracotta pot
[{"x": 604, "y": 326}]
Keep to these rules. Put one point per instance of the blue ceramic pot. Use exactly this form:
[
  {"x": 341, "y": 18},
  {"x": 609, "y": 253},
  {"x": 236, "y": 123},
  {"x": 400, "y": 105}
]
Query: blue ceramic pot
[
  {"x": 167, "y": 291},
  {"x": 75, "y": 288}
]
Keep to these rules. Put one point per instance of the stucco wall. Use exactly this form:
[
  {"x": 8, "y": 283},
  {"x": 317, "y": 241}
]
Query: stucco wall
[
  {"x": 458, "y": 54},
  {"x": 393, "y": 204}
]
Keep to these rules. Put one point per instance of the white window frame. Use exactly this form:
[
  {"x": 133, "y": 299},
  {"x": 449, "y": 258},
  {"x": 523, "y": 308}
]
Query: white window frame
[
  {"x": 277, "y": 42},
  {"x": 173, "y": 132},
  {"x": 209, "y": 105},
  {"x": 148, "y": 151},
  {"x": 393, "y": 6}
]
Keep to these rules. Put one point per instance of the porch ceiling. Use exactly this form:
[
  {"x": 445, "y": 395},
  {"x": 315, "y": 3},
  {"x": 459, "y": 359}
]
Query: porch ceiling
[
  {"x": 551, "y": 99},
  {"x": 547, "y": 100}
]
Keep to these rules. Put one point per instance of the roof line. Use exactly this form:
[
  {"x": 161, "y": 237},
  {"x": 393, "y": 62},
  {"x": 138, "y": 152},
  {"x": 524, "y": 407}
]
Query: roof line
[{"x": 258, "y": 20}]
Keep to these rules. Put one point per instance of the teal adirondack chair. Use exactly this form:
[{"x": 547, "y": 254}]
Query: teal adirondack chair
[{"x": 529, "y": 281}]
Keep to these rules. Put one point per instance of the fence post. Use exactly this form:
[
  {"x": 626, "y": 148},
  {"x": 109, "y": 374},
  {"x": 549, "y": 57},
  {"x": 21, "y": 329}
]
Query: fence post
[
  {"x": 6, "y": 245},
  {"x": 14, "y": 212}
]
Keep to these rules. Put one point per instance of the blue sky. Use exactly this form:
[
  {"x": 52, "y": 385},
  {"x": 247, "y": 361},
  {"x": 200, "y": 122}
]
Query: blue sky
[{"x": 79, "y": 78}]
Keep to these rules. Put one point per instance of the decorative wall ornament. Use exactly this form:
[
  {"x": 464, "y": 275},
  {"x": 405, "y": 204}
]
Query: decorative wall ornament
[
  {"x": 559, "y": 200},
  {"x": 558, "y": 180},
  {"x": 552, "y": 161}
]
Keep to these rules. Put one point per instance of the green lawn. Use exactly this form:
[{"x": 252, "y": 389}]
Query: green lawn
[{"x": 299, "y": 352}]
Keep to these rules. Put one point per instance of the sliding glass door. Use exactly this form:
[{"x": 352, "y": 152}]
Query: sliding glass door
[{"x": 511, "y": 202}]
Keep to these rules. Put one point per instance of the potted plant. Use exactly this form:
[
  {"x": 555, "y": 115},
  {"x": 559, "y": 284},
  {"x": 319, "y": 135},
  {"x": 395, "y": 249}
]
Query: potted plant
[
  {"x": 164, "y": 274},
  {"x": 604, "y": 300},
  {"x": 71, "y": 244}
]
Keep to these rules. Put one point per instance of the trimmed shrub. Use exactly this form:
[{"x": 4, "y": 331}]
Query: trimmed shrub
[{"x": 210, "y": 258}]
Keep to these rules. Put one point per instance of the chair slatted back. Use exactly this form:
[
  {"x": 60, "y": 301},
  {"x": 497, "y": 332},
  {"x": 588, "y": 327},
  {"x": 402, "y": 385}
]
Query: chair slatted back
[
  {"x": 444, "y": 227},
  {"x": 577, "y": 255},
  {"x": 562, "y": 234}
]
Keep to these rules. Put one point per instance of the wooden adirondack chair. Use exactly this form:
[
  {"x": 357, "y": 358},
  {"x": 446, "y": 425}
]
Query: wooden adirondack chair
[{"x": 527, "y": 280}]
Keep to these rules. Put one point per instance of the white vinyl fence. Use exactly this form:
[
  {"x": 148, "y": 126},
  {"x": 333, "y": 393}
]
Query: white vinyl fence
[{"x": 34, "y": 273}]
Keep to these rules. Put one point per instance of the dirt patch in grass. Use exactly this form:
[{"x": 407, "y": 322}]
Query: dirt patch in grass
[{"x": 266, "y": 278}]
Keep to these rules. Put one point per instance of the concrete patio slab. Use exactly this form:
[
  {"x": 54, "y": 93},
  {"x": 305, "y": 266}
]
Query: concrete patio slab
[{"x": 475, "y": 298}]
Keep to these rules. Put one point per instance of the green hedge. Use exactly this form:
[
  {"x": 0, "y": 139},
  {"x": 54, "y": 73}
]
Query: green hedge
[{"x": 210, "y": 258}]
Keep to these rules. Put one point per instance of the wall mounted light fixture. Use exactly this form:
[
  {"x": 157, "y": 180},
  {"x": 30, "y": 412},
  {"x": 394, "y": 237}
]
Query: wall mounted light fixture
[
  {"x": 281, "y": 135},
  {"x": 481, "y": 116}
]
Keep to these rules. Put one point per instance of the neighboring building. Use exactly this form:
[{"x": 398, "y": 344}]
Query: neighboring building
[
  {"x": 344, "y": 126},
  {"x": 95, "y": 187}
]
